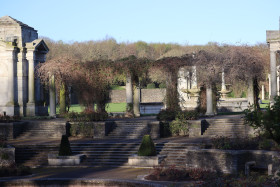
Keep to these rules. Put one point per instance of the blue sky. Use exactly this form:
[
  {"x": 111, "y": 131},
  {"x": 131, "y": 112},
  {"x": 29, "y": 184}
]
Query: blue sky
[{"x": 174, "y": 21}]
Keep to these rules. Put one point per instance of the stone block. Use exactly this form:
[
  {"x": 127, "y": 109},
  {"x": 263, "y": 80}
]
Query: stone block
[
  {"x": 55, "y": 160},
  {"x": 144, "y": 161}
]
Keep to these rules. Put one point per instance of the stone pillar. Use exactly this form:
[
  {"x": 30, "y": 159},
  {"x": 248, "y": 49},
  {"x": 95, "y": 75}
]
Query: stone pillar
[
  {"x": 263, "y": 92},
  {"x": 129, "y": 93},
  {"x": 269, "y": 86},
  {"x": 250, "y": 92},
  {"x": 11, "y": 80},
  {"x": 273, "y": 75},
  {"x": 223, "y": 81},
  {"x": 209, "y": 99},
  {"x": 278, "y": 90},
  {"x": 194, "y": 79},
  {"x": 52, "y": 97},
  {"x": 30, "y": 56},
  {"x": 136, "y": 103},
  {"x": 31, "y": 83}
]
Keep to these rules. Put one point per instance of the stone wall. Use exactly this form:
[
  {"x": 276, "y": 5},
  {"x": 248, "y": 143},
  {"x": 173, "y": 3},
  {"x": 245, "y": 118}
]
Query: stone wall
[
  {"x": 95, "y": 130},
  {"x": 152, "y": 95},
  {"x": 7, "y": 156},
  {"x": 147, "y": 95},
  {"x": 99, "y": 130},
  {"x": 195, "y": 128},
  {"x": 227, "y": 161},
  {"x": 51, "y": 129},
  {"x": 11, "y": 130}
]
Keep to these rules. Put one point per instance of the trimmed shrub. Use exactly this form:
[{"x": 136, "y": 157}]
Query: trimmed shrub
[
  {"x": 64, "y": 148},
  {"x": 147, "y": 147},
  {"x": 151, "y": 86}
]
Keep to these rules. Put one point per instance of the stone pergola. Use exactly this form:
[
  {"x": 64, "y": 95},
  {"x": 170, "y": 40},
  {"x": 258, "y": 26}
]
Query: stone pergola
[
  {"x": 273, "y": 40},
  {"x": 20, "y": 51}
]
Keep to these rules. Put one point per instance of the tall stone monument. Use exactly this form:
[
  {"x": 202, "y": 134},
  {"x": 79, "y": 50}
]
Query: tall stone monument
[{"x": 20, "y": 51}]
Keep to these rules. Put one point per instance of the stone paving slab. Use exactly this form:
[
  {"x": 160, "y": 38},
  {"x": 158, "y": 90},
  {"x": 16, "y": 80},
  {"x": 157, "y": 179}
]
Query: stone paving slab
[{"x": 88, "y": 177}]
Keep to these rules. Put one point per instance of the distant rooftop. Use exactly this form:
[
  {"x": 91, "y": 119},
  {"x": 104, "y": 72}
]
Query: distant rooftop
[
  {"x": 272, "y": 36},
  {"x": 7, "y": 20}
]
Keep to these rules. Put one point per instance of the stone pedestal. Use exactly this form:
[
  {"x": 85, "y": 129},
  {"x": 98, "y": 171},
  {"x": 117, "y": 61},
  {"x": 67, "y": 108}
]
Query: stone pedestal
[
  {"x": 55, "y": 160},
  {"x": 30, "y": 109},
  {"x": 144, "y": 161}
]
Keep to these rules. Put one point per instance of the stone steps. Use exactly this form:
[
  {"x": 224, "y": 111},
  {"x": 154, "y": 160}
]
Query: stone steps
[
  {"x": 129, "y": 130},
  {"x": 102, "y": 154},
  {"x": 225, "y": 127},
  {"x": 42, "y": 129}
]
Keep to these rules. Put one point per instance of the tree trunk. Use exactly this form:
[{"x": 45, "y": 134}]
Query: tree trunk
[
  {"x": 256, "y": 93},
  {"x": 250, "y": 91}
]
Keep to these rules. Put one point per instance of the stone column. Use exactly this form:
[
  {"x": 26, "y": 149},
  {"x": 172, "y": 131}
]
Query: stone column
[
  {"x": 223, "y": 81},
  {"x": 273, "y": 75},
  {"x": 11, "y": 80},
  {"x": 129, "y": 93},
  {"x": 136, "y": 103},
  {"x": 209, "y": 99},
  {"x": 263, "y": 92},
  {"x": 52, "y": 97},
  {"x": 269, "y": 86},
  {"x": 31, "y": 83},
  {"x": 30, "y": 56},
  {"x": 278, "y": 90},
  {"x": 194, "y": 79}
]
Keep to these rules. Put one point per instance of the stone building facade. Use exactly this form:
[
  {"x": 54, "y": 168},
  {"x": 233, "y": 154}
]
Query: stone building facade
[
  {"x": 20, "y": 51},
  {"x": 273, "y": 40}
]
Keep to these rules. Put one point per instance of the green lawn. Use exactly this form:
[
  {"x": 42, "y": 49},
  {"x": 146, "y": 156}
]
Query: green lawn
[
  {"x": 111, "y": 107},
  {"x": 265, "y": 104},
  {"x": 117, "y": 87}
]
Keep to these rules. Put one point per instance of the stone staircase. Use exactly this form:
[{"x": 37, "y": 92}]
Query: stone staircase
[
  {"x": 105, "y": 154},
  {"x": 102, "y": 154},
  {"x": 232, "y": 128},
  {"x": 41, "y": 129},
  {"x": 34, "y": 155},
  {"x": 175, "y": 153},
  {"x": 133, "y": 130}
]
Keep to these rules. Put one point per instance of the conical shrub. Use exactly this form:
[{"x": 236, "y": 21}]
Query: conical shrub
[
  {"x": 64, "y": 148},
  {"x": 147, "y": 147}
]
